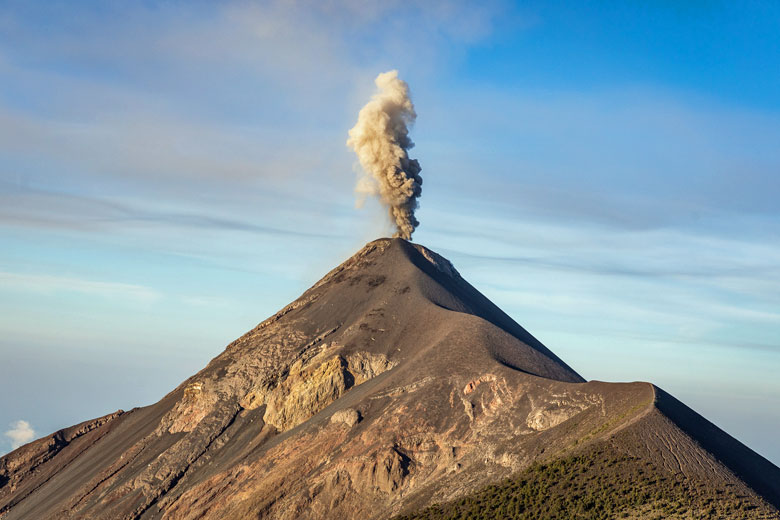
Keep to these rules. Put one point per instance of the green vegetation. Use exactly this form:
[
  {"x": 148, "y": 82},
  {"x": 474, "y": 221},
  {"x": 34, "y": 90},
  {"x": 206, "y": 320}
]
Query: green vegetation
[{"x": 597, "y": 484}]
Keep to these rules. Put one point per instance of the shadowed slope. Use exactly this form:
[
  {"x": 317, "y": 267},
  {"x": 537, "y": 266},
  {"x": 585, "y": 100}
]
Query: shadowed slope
[{"x": 754, "y": 470}]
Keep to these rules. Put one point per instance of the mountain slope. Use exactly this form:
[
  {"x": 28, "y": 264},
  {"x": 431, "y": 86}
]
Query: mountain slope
[
  {"x": 666, "y": 462},
  {"x": 390, "y": 385}
]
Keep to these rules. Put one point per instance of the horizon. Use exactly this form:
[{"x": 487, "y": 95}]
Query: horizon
[{"x": 171, "y": 175}]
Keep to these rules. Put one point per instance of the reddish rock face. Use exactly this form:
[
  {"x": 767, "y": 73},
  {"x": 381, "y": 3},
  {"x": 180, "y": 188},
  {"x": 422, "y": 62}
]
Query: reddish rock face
[{"x": 388, "y": 386}]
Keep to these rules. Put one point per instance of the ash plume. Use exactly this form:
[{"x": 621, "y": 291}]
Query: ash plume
[{"x": 381, "y": 141}]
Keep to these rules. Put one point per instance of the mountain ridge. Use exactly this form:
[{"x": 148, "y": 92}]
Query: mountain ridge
[{"x": 389, "y": 385}]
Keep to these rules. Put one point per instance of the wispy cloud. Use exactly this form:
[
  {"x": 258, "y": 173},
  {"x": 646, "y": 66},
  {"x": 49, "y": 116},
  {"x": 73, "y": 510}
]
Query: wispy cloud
[
  {"x": 21, "y": 432},
  {"x": 275, "y": 36},
  {"x": 44, "y": 283},
  {"x": 676, "y": 285},
  {"x": 186, "y": 117},
  {"x": 28, "y": 207}
]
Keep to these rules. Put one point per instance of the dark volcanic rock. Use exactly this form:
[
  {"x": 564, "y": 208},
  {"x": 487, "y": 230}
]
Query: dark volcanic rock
[{"x": 390, "y": 385}]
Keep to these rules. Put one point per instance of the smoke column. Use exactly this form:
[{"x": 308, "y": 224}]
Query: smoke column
[{"x": 381, "y": 141}]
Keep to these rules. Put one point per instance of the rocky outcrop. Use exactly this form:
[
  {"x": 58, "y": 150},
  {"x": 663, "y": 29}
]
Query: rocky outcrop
[
  {"x": 384, "y": 471},
  {"x": 348, "y": 417},
  {"x": 550, "y": 411},
  {"x": 193, "y": 407},
  {"x": 311, "y": 385},
  {"x": 316, "y": 378}
]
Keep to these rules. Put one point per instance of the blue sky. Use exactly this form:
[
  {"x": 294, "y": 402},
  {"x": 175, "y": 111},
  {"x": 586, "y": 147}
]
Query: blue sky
[{"x": 171, "y": 173}]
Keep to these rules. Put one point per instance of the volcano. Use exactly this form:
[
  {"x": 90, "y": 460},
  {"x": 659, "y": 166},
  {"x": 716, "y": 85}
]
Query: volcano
[{"x": 392, "y": 387}]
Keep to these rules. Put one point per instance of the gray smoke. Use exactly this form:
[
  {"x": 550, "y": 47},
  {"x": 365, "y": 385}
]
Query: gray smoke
[{"x": 381, "y": 141}]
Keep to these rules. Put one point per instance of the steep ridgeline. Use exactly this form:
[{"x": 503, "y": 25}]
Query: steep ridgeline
[{"x": 389, "y": 386}]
